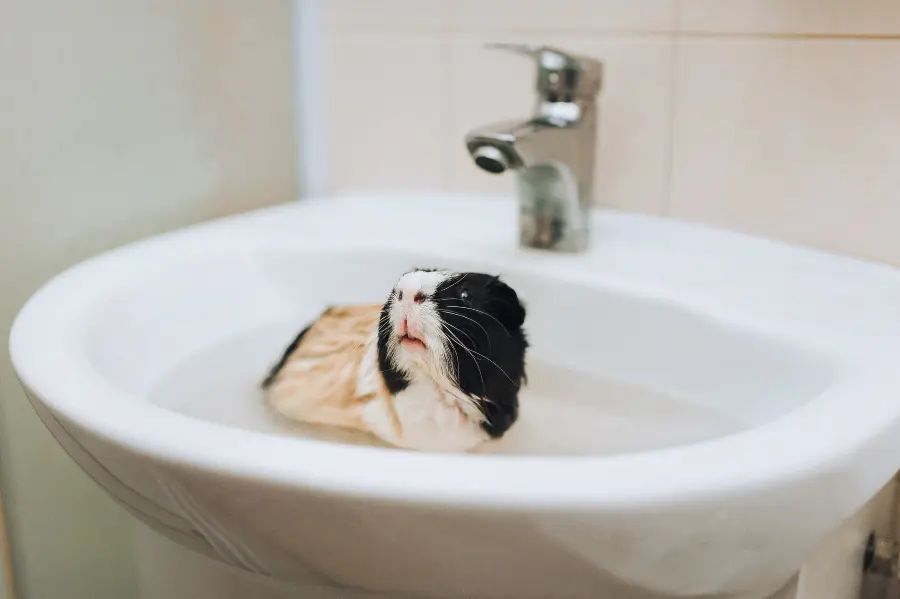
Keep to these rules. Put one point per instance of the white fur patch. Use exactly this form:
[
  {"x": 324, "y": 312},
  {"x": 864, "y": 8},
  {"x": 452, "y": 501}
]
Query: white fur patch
[
  {"x": 422, "y": 280},
  {"x": 428, "y": 422},
  {"x": 423, "y": 321},
  {"x": 434, "y": 414},
  {"x": 368, "y": 378}
]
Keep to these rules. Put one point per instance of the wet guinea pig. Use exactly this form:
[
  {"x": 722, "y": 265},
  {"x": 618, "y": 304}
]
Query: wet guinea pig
[
  {"x": 437, "y": 367},
  {"x": 454, "y": 341}
]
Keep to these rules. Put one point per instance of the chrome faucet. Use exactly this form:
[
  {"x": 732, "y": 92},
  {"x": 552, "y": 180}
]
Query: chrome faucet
[{"x": 552, "y": 152}]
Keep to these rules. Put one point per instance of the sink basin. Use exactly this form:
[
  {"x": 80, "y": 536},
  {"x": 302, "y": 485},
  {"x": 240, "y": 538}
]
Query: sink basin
[{"x": 703, "y": 407}]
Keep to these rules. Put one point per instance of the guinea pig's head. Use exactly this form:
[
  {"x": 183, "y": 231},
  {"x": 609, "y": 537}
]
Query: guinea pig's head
[{"x": 463, "y": 329}]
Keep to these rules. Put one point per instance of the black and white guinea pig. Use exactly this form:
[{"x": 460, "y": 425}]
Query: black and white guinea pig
[
  {"x": 436, "y": 367},
  {"x": 451, "y": 349}
]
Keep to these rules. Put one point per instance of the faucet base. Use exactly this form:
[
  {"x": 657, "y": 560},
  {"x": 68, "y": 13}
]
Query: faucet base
[
  {"x": 549, "y": 218},
  {"x": 549, "y": 233}
]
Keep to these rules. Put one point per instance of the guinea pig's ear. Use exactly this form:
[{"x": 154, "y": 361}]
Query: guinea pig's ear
[{"x": 505, "y": 304}]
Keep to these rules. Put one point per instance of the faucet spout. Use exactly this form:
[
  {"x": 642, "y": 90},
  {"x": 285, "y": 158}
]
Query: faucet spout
[{"x": 552, "y": 155}]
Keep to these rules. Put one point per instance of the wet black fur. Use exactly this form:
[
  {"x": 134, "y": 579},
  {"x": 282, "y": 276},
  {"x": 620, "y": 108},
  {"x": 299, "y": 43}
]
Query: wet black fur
[
  {"x": 485, "y": 316},
  {"x": 284, "y": 357},
  {"x": 394, "y": 380}
]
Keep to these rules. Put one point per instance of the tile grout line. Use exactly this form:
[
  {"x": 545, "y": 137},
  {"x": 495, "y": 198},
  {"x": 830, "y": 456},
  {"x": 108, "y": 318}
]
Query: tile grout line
[
  {"x": 446, "y": 39},
  {"x": 701, "y": 34},
  {"x": 445, "y": 29},
  {"x": 675, "y": 49}
]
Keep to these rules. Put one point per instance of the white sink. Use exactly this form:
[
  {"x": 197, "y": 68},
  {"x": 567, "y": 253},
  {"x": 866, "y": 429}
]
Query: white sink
[{"x": 703, "y": 407}]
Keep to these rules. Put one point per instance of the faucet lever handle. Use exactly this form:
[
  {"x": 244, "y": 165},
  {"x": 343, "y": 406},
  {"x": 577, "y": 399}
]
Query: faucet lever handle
[
  {"x": 561, "y": 75},
  {"x": 552, "y": 56}
]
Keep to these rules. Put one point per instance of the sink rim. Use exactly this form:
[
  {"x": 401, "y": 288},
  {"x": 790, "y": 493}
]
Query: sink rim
[{"x": 643, "y": 478}]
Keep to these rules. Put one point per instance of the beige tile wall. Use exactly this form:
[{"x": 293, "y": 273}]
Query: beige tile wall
[{"x": 776, "y": 117}]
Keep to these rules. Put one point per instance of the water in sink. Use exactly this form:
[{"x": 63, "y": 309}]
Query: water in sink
[{"x": 562, "y": 411}]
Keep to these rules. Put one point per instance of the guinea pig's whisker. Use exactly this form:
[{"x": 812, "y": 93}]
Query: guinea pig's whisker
[
  {"x": 451, "y": 336},
  {"x": 384, "y": 325},
  {"x": 471, "y": 351},
  {"x": 503, "y": 372},
  {"x": 486, "y": 335},
  {"x": 468, "y": 336},
  {"x": 452, "y": 282},
  {"x": 474, "y": 353},
  {"x": 494, "y": 318},
  {"x": 450, "y": 345},
  {"x": 474, "y": 359}
]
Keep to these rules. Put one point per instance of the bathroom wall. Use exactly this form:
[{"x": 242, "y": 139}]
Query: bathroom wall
[
  {"x": 776, "y": 117},
  {"x": 123, "y": 119},
  {"x": 118, "y": 120}
]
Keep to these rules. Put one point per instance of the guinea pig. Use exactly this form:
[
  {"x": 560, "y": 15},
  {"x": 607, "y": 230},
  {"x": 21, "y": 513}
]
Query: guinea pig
[{"x": 437, "y": 367}]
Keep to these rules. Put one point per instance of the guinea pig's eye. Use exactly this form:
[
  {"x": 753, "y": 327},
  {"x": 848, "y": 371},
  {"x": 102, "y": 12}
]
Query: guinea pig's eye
[
  {"x": 399, "y": 295},
  {"x": 463, "y": 293}
]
